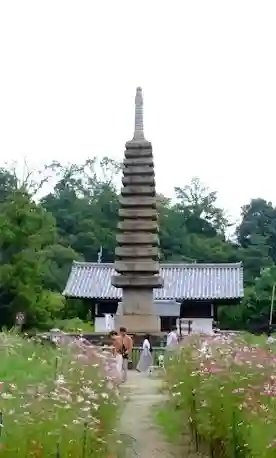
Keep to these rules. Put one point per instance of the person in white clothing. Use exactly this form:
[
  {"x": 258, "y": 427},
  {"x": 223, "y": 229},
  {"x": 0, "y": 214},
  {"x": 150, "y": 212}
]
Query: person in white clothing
[
  {"x": 270, "y": 338},
  {"x": 172, "y": 339},
  {"x": 145, "y": 361}
]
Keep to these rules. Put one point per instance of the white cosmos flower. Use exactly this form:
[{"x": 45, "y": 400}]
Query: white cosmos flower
[{"x": 7, "y": 396}]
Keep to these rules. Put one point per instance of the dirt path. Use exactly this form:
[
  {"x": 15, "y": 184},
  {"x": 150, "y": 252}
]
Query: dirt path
[{"x": 137, "y": 423}]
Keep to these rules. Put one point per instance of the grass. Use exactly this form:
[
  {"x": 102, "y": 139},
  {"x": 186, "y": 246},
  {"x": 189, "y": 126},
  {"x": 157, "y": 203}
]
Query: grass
[
  {"x": 54, "y": 401},
  {"x": 177, "y": 432},
  {"x": 223, "y": 390},
  {"x": 170, "y": 421}
]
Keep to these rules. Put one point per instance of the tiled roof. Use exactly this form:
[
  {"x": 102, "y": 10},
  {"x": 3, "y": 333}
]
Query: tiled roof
[{"x": 181, "y": 281}]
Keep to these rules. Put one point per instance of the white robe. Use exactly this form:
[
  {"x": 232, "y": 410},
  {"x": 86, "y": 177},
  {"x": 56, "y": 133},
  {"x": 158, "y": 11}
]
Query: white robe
[
  {"x": 145, "y": 360},
  {"x": 119, "y": 363},
  {"x": 172, "y": 340}
]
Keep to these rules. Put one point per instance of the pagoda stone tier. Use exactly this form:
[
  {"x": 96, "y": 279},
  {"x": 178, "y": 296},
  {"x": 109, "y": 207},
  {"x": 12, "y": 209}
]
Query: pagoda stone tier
[{"x": 137, "y": 251}]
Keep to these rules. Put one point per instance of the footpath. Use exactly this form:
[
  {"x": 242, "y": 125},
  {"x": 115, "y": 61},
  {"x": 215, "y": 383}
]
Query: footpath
[{"x": 143, "y": 438}]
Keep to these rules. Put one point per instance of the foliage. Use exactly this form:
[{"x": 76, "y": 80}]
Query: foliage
[
  {"x": 223, "y": 391},
  {"x": 25, "y": 230},
  {"x": 42, "y": 233},
  {"x": 74, "y": 325},
  {"x": 54, "y": 402}
]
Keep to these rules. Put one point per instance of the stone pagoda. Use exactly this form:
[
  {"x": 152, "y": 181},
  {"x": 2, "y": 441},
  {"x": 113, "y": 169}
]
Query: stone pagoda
[{"x": 137, "y": 252}]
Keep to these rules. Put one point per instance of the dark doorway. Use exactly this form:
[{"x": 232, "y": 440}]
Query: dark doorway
[{"x": 167, "y": 323}]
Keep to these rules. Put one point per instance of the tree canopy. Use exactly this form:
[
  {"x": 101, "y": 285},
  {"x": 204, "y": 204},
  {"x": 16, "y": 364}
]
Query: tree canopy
[{"x": 41, "y": 233}]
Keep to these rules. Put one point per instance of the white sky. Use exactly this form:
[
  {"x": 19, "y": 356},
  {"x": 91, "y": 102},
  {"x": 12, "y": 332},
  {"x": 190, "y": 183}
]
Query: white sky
[{"x": 69, "y": 70}]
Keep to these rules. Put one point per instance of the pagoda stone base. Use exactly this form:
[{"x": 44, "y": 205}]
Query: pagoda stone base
[
  {"x": 137, "y": 301},
  {"x": 136, "y": 311},
  {"x": 149, "y": 324}
]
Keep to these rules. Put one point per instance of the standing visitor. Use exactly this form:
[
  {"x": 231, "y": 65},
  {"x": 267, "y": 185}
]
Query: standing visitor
[
  {"x": 109, "y": 322},
  {"x": 145, "y": 361},
  {"x": 270, "y": 338},
  {"x": 115, "y": 351},
  {"x": 172, "y": 339},
  {"x": 125, "y": 345}
]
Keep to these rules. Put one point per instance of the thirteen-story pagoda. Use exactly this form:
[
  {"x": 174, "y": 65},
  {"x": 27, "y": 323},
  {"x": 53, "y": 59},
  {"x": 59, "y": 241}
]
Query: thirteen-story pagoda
[{"x": 137, "y": 251}]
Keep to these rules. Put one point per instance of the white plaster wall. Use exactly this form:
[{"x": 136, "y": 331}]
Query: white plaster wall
[
  {"x": 198, "y": 325},
  {"x": 100, "y": 325},
  {"x": 203, "y": 325}
]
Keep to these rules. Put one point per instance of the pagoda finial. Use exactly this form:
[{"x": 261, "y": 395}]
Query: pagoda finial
[{"x": 139, "y": 121}]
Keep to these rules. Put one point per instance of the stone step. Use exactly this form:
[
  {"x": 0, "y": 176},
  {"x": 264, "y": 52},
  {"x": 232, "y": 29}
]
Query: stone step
[
  {"x": 138, "y": 145},
  {"x": 149, "y": 213},
  {"x": 142, "y": 152},
  {"x": 137, "y": 266},
  {"x": 138, "y": 190},
  {"x": 138, "y": 259},
  {"x": 138, "y": 170},
  {"x": 135, "y": 251},
  {"x": 138, "y": 225},
  {"x": 138, "y": 281},
  {"x": 139, "y": 161},
  {"x": 136, "y": 179},
  {"x": 139, "y": 238},
  {"x": 137, "y": 201}
]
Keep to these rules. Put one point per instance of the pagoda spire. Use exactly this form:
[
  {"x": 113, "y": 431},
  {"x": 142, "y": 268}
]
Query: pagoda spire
[
  {"x": 139, "y": 116},
  {"x": 138, "y": 139}
]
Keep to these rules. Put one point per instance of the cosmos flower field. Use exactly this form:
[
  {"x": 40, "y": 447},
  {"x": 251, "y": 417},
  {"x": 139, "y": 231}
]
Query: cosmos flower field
[
  {"x": 224, "y": 390},
  {"x": 56, "y": 402}
]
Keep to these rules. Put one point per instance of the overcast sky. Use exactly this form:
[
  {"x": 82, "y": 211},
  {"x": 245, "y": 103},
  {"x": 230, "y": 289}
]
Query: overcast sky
[{"x": 69, "y": 70}]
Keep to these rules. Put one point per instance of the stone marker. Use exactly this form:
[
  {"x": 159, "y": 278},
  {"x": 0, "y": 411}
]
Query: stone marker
[{"x": 137, "y": 252}]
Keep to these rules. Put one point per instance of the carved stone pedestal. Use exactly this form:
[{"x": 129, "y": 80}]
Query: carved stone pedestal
[
  {"x": 148, "y": 324},
  {"x": 136, "y": 312}
]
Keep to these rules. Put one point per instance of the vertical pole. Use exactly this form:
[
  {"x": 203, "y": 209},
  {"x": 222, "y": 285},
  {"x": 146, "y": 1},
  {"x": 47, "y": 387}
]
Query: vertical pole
[
  {"x": 180, "y": 328},
  {"x": 1, "y": 423},
  {"x": 212, "y": 310},
  {"x": 58, "y": 451},
  {"x": 56, "y": 368},
  {"x": 194, "y": 421},
  {"x": 84, "y": 440},
  {"x": 272, "y": 306}
]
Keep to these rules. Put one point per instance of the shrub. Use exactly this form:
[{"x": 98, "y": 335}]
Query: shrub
[
  {"x": 54, "y": 401},
  {"x": 44, "y": 310},
  {"x": 74, "y": 325},
  {"x": 225, "y": 389}
]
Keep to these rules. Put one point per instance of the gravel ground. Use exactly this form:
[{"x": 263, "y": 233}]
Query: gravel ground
[{"x": 137, "y": 425}]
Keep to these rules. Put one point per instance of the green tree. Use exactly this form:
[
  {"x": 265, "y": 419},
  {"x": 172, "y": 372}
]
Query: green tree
[
  {"x": 40, "y": 238},
  {"x": 173, "y": 234},
  {"x": 84, "y": 203},
  {"x": 257, "y": 237},
  {"x": 26, "y": 229},
  {"x": 199, "y": 205}
]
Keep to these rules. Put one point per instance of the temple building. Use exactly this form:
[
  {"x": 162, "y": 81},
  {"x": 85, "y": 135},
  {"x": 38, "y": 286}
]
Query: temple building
[
  {"x": 191, "y": 293},
  {"x": 137, "y": 292}
]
